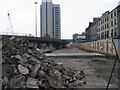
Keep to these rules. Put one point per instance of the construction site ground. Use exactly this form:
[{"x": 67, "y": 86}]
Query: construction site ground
[{"x": 97, "y": 67}]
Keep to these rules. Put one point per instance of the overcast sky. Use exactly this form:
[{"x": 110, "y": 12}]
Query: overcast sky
[{"x": 75, "y": 15}]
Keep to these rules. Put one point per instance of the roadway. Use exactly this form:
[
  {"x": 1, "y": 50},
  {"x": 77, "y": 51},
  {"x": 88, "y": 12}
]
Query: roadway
[{"x": 97, "y": 67}]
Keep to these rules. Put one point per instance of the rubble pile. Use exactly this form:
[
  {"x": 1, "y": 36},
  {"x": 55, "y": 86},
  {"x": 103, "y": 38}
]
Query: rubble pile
[{"x": 24, "y": 66}]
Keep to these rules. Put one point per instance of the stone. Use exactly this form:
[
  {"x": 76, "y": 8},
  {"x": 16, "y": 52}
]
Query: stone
[
  {"x": 41, "y": 74},
  {"x": 32, "y": 83},
  {"x": 80, "y": 83},
  {"x": 5, "y": 81},
  {"x": 45, "y": 84},
  {"x": 35, "y": 70},
  {"x": 22, "y": 69},
  {"x": 52, "y": 81},
  {"x": 12, "y": 38},
  {"x": 19, "y": 57},
  {"x": 18, "y": 81},
  {"x": 24, "y": 66},
  {"x": 70, "y": 85},
  {"x": 82, "y": 72},
  {"x": 35, "y": 60},
  {"x": 30, "y": 45}
]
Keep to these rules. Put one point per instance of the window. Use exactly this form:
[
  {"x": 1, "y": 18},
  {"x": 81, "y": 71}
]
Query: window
[
  {"x": 114, "y": 13},
  {"x": 56, "y": 12},
  {"x": 107, "y": 34},
  {"x": 111, "y": 32},
  {"x": 111, "y": 15},
  {"x": 101, "y": 27},
  {"x": 56, "y": 8},
  {"x": 115, "y": 32},
  {"x": 107, "y": 18},
  {"x": 103, "y": 34},
  {"x": 56, "y": 28},
  {"x": 111, "y": 23},
  {"x": 101, "y": 22},
  {"x": 107, "y": 25},
  {"x": 98, "y": 36},
  {"x": 115, "y": 22}
]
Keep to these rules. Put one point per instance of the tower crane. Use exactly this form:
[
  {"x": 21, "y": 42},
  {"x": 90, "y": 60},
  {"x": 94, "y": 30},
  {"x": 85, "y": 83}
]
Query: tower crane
[{"x": 10, "y": 28}]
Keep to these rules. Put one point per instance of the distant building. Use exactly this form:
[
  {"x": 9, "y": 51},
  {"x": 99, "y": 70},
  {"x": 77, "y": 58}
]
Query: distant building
[
  {"x": 94, "y": 29},
  {"x": 50, "y": 19},
  {"x": 91, "y": 30},
  {"x": 78, "y": 38},
  {"x": 75, "y": 36},
  {"x": 88, "y": 32},
  {"x": 109, "y": 24}
]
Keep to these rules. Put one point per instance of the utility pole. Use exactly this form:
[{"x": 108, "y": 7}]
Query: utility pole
[{"x": 36, "y": 19}]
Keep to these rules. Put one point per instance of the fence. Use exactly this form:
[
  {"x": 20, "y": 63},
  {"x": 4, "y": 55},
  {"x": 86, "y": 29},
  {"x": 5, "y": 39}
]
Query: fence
[{"x": 102, "y": 46}]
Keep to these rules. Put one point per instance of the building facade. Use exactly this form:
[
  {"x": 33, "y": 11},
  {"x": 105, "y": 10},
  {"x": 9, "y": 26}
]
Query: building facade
[
  {"x": 88, "y": 32},
  {"x": 91, "y": 30},
  {"x": 105, "y": 27},
  {"x": 75, "y": 36},
  {"x": 109, "y": 24},
  {"x": 50, "y": 20},
  {"x": 56, "y": 21},
  {"x": 78, "y": 38}
]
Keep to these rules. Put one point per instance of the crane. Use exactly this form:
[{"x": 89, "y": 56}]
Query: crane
[{"x": 10, "y": 28}]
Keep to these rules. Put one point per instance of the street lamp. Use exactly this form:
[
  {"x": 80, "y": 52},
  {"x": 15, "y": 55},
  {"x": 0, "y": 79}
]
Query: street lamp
[{"x": 36, "y": 19}]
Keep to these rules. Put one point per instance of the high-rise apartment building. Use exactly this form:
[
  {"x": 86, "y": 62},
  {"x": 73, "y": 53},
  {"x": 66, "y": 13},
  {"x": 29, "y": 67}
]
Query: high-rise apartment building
[{"x": 50, "y": 19}]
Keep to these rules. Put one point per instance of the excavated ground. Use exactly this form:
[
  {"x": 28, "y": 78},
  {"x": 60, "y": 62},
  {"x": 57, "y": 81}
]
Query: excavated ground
[{"x": 97, "y": 69}]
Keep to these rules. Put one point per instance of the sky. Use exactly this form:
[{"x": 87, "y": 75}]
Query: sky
[{"x": 75, "y": 15}]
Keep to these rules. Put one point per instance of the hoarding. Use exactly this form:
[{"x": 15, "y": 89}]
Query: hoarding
[{"x": 117, "y": 46}]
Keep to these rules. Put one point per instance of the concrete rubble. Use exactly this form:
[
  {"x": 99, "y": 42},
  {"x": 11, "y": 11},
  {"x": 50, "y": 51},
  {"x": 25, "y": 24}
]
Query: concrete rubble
[{"x": 24, "y": 66}]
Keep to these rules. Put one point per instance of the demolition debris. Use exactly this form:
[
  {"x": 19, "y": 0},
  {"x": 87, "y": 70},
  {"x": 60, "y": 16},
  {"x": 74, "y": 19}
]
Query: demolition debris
[{"x": 24, "y": 66}]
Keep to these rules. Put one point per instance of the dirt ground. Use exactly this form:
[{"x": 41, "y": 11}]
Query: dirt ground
[{"x": 97, "y": 70}]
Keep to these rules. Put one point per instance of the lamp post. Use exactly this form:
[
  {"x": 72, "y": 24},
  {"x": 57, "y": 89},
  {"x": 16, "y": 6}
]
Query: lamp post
[{"x": 36, "y": 19}]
